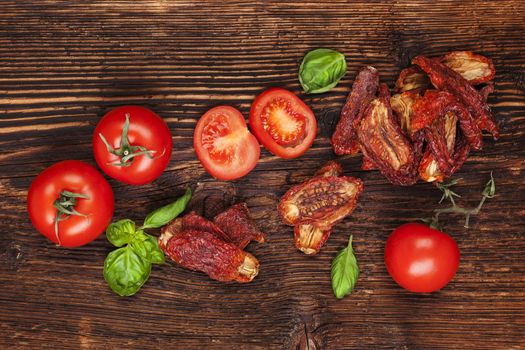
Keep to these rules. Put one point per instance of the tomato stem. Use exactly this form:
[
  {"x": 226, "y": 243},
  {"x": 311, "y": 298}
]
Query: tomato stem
[
  {"x": 65, "y": 206},
  {"x": 488, "y": 192},
  {"x": 126, "y": 152}
]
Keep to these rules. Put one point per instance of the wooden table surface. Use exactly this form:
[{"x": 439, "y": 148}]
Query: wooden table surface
[{"x": 64, "y": 64}]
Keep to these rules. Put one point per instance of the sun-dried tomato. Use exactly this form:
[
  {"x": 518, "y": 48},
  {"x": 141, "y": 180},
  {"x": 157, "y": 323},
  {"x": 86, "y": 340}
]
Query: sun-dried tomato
[
  {"x": 412, "y": 79},
  {"x": 364, "y": 88},
  {"x": 434, "y": 105},
  {"x": 205, "y": 252},
  {"x": 402, "y": 107},
  {"x": 309, "y": 238},
  {"x": 322, "y": 201},
  {"x": 314, "y": 206},
  {"x": 429, "y": 169},
  {"x": 239, "y": 229},
  {"x": 444, "y": 78},
  {"x": 331, "y": 168},
  {"x": 195, "y": 222},
  {"x": 476, "y": 69},
  {"x": 486, "y": 90},
  {"x": 385, "y": 145}
]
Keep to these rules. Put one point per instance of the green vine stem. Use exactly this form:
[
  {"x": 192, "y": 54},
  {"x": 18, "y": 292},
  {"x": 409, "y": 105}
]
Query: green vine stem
[
  {"x": 488, "y": 192},
  {"x": 65, "y": 206},
  {"x": 126, "y": 152}
]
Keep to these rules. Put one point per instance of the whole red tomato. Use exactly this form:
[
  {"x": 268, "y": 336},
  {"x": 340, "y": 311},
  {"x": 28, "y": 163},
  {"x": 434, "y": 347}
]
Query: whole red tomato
[
  {"x": 420, "y": 258},
  {"x": 283, "y": 123},
  {"x": 132, "y": 144},
  {"x": 70, "y": 203}
]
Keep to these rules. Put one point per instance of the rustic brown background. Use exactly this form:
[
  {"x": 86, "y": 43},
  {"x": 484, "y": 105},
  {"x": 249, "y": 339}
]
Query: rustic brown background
[{"x": 63, "y": 64}]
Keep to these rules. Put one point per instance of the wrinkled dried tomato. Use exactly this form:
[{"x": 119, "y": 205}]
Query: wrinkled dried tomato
[
  {"x": 412, "y": 79},
  {"x": 474, "y": 68},
  {"x": 314, "y": 206},
  {"x": 402, "y": 107},
  {"x": 236, "y": 224},
  {"x": 434, "y": 105},
  {"x": 331, "y": 168},
  {"x": 364, "y": 88},
  {"x": 385, "y": 145},
  {"x": 205, "y": 252},
  {"x": 444, "y": 78}
]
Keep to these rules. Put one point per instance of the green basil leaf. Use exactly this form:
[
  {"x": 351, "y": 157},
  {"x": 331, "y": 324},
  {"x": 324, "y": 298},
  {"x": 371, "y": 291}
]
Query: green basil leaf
[
  {"x": 321, "y": 70},
  {"x": 147, "y": 247},
  {"x": 345, "y": 271},
  {"x": 120, "y": 232},
  {"x": 162, "y": 216},
  {"x": 125, "y": 271}
]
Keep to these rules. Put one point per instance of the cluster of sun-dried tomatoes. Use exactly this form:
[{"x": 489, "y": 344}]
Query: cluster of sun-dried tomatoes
[{"x": 427, "y": 129}]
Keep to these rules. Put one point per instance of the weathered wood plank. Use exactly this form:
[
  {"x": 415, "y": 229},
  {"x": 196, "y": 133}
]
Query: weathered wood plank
[{"x": 63, "y": 64}]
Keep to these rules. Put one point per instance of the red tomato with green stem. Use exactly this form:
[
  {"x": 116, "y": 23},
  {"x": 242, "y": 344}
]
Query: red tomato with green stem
[
  {"x": 283, "y": 123},
  {"x": 420, "y": 258},
  {"x": 70, "y": 203},
  {"x": 224, "y": 146},
  {"x": 132, "y": 144}
]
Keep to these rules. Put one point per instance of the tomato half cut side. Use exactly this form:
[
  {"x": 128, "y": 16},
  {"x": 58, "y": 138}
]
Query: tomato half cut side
[
  {"x": 224, "y": 146},
  {"x": 283, "y": 123}
]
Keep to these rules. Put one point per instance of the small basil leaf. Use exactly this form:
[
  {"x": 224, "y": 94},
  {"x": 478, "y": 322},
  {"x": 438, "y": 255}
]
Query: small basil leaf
[
  {"x": 162, "y": 216},
  {"x": 125, "y": 271},
  {"x": 345, "y": 271},
  {"x": 157, "y": 255},
  {"x": 120, "y": 232},
  {"x": 321, "y": 70},
  {"x": 142, "y": 248}
]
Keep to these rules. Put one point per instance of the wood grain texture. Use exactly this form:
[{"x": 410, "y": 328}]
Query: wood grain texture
[{"x": 64, "y": 64}]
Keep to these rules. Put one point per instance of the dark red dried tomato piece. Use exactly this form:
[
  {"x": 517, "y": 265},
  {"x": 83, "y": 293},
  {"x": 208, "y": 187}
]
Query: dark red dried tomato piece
[
  {"x": 314, "y": 206},
  {"x": 412, "y": 79},
  {"x": 429, "y": 169},
  {"x": 486, "y": 90},
  {"x": 434, "y": 105},
  {"x": 322, "y": 201},
  {"x": 239, "y": 229},
  {"x": 195, "y": 222},
  {"x": 474, "y": 68},
  {"x": 364, "y": 88},
  {"x": 332, "y": 168},
  {"x": 444, "y": 78},
  {"x": 205, "y": 252},
  {"x": 385, "y": 145}
]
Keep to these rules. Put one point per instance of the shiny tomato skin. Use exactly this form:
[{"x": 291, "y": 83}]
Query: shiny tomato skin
[
  {"x": 421, "y": 259},
  {"x": 240, "y": 150},
  {"x": 77, "y": 177},
  {"x": 146, "y": 129},
  {"x": 296, "y": 105}
]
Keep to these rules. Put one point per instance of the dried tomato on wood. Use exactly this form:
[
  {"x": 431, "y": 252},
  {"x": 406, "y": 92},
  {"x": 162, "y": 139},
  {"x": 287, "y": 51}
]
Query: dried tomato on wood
[
  {"x": 364, "y": 88},
  {"x": 385, "y": 145},
  {"x": 412, "y": 79},
  {"x": 205, "y": 252},
  {"x": 314, "y": 206},
  {"x": 444, "y": 78},
  {"x": 401, "y": 105},
  {"x": 476, "y": 69},
  {"x": 434, "y": 105},
  {"x": 239, "y": 229}
]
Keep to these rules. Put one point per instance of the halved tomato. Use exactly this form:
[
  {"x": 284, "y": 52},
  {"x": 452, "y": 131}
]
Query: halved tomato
[
  {"x": 282, "y": 123},
  {"x": 224, "y": 146}
]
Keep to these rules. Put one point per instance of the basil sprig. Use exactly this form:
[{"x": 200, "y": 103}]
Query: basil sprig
[
  {"x": 345, "y": 271},
  {"x": 321, "y": 70},
  {"x": 127, "y": 268}
]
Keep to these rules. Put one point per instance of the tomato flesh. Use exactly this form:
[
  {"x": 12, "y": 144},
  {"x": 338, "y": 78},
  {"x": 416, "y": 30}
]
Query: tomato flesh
[
  {"x": 223, "y": 144},
  {"x": 285, "y": 126},
  {"x": 282, "y": 123},
  {"x": 421, "y": 259},
  {"x": 75, "y": 177}
]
